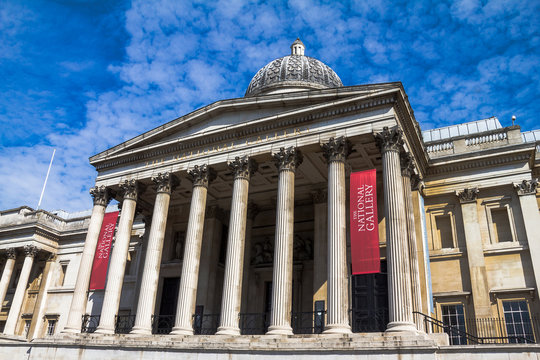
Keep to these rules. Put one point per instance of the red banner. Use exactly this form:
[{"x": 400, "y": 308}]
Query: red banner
[
  {"x": 103, "y": 250},
  {"x": 365, "y": 255}
]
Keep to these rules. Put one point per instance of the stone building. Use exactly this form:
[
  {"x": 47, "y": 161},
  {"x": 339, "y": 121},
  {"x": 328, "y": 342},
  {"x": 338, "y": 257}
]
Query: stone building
[{"x": 233, "y": 235}]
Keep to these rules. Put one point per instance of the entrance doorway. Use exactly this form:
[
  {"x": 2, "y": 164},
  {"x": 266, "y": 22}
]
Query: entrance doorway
[
  {"x": 167, "y": 309},
  {"x": 370, "y": 301}
]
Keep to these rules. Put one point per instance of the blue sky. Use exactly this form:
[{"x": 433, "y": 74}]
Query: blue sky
[{"x": 82, "y": 76}]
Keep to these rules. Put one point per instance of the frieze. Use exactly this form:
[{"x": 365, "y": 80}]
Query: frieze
[
  {"x": 227, "y": 141},
  {"x": 526, "y": 187},
  {"x": 451, "y": 168}
]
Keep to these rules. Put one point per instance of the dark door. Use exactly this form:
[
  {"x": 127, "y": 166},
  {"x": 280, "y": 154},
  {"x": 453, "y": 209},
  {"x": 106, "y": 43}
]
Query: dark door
[
  {"x": 165, "y": 321},
  {"x": 370, "y": 301}
]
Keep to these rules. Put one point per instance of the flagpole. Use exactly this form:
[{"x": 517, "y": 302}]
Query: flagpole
[{"x": 46, "y": 178}]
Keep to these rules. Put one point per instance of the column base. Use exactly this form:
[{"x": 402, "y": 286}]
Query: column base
[
  {"x": 181, "y": 331},
  {"x": 337, "y": 329},
  {"x": 226, "y": 330},
  {"x": 71, "y": 330},
  {"x": 401, "y": 326},
  {"x": 104, "y": 331},
  {"x": 279, "y": 330},
  {"x": 137, "y": 330}
]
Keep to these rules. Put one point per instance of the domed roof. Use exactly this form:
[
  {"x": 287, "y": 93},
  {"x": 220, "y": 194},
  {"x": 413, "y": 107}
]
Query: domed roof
[{"x": 293, "y": 72}]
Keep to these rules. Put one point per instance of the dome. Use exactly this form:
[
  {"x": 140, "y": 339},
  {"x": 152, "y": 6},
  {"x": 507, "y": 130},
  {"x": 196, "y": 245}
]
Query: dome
[{"x": 293, "y": 73}]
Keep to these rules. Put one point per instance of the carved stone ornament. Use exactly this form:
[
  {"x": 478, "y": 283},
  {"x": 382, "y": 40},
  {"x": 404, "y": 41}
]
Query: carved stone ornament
[
  {"x": 468, "y": 195},
  {"x": 417, "y": 183},
  {"x": 526, "y": 187},
  {"x": 202, "y": 175},
  {"x": 11, "y": 253},
  {"x": 389, "y": 139},
  {"x": 288, "y": 159},
  {"x": 320, "y": 196},
  {"x": 337, "y": 149},
  {"x": 165, "y": 182},
  {"x": 101, "y": 195},
  {"x": 51, "y": 257},
  {"x": 243, "y": 167},
  {"x": 30, "y": 250},
  {"x": 263, "y": 252},
  {"x": 407, "y": 164},
  {"x": 131, "y": 189},
  {"x": 252, "y": 210}
]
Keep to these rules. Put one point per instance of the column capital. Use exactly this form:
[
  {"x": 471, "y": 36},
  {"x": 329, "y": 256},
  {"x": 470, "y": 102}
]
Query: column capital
[
  {"x": 131, "y": 189},
  {"x": 319, "y": 196},
  {"x": 389, "y": 139},
  {"x": 51, "y": 257},
  {"x": 417, "y": 183},
  {"x": 468, "y": 195},
  {"x": 11, "y": 253},
  {"x": 252, "y": 210},
  {"x": 526, "y": 187},
  {"x": 337, "y": 149},
  {"x": 288, "y": 159},
  {"x": 407, "y": 164},
  {"x": 30, "y": 250},
  {"x": 202, "y": 175},
  {"x": 243, "y": 167},
  {"x": 101, "y": 195},
  {"x": 165, "y": 182}
]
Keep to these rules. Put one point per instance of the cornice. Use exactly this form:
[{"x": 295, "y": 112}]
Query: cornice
[{"x": 271, "y": 123}]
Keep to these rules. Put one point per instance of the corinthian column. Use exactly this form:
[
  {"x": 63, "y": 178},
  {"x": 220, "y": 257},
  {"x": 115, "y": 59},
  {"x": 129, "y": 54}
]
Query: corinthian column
[
  {"x": 102, "y": 196},
  {"x": 399, "y": 282},
  {"x": 407, "y": 170},
  {"x": 11, "y": 255},
  {"x": 117, "y": 265},
  {"x": 336, "y": 151},
  {"x": 202, "y": 176},
  {"x": 30, "y": 252},
  {"x": 165, "y": 184},
  {"x": 280, "y": 318},
  {"x": 232, "y": 285},
  {"x": 526, "y": 191}
]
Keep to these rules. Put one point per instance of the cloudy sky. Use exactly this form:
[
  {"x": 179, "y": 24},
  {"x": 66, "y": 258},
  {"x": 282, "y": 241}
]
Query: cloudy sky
[{"x": 82, "y": 76}]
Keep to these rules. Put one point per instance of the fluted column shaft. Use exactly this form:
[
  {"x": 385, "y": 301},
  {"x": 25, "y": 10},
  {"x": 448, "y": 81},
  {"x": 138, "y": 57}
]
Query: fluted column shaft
[
  {"x": 399, "y": 283},
  {"x": 101, "y": 196},
  {"x": 165, "y": 183},
  {"x": 336, "y": 151},
  {"x": 280, "y": 317},
  {"x": 117, "y": 264},
  {"x": 416, "y": 295},
  {"x": 187, "y": 292},
  {"x": 6, "y": 274},
  {"x": 232, "y": 284},
  {"x": 16, "y": 303}
]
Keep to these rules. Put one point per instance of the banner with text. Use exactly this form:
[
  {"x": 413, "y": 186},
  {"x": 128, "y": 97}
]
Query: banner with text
[
  {"x": 103, "y": 250},
  {"x": 365, "y": 256}
]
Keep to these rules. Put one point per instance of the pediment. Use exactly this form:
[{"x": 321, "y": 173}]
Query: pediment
[{"x": 233, "y": 118}]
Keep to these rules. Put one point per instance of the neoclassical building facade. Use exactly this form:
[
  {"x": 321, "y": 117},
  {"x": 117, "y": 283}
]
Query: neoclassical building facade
[{"x": 234, "y": 225}]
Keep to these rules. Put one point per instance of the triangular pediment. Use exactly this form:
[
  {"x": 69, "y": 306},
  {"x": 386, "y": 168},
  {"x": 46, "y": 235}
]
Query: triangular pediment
[{"x": 231, "y": 116}]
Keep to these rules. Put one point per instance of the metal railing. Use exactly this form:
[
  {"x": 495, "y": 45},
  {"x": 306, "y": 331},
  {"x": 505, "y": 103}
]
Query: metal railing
[
  {"x": 162, "y": 324},
  {"x": 205, "y": 324},
  {"x": 90, "y": 323},
  {"x": 372, "y": 321},
  {"x": 254, "y": 323},
  {"x": 483, "y": 330},
  {"x": 124, "y": 324},
  {"x": 311, "y": 322}
]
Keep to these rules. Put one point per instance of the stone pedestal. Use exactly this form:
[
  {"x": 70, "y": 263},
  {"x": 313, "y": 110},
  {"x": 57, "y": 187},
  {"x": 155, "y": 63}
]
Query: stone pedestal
[
  {"x": 11, "y": 256},
  {"x": 165, "y": 183},
  {"x": 202, "y": 176},
  {"x": 232, "y": 284},
  {"x": 30, "y": 252},
  {"x": 102, "y": 196},
  {"x": 336, "y": 152},
  {"x": 399, "y": 282},
  {"x": 117, "y": 262},
  {"x": 287, "y": 160}
]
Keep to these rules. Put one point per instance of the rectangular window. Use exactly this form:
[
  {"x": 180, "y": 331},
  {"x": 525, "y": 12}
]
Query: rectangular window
[
  {"x": 444, "y": 231},
  {"x": 518, "y": 322},
  {"x": 51, "y": 327},
  {"x": 62, "y": 276},
  {"x": 501, "y": 225},
  {"x": 453, "y": 318}
]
